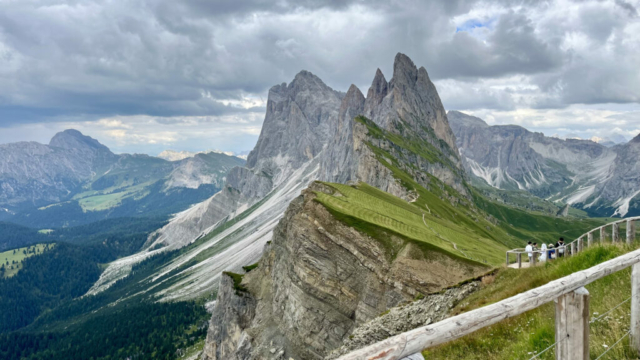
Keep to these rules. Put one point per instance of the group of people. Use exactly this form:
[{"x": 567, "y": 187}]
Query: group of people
[{"x": 547, "y": 252}]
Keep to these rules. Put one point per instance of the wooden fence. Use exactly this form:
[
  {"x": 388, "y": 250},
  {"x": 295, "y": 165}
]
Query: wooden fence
[
  {"x": 580, "y": 243},
  {"x": 569, "y": 294}
]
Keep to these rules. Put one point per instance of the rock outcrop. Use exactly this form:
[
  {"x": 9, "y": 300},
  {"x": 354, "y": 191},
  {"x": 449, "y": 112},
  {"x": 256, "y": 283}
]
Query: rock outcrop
[
  {"x": 319, "y": 279},
  {"x": 296, "y": 127},
  {"x": 428, "y": 310}
]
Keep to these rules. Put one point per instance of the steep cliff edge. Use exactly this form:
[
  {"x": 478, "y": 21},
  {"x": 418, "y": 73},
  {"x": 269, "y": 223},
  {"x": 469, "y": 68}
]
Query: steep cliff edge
[{"x": 328, "y": 270}]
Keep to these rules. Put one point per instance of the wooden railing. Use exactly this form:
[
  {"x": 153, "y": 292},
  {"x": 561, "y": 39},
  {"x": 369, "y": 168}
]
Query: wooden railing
[
  {"x": 577, "y": 245},
  {"x": 572, "y": 310}
]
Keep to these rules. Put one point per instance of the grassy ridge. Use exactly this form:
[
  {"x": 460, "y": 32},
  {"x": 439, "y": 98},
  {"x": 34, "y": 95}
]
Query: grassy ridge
[
  {"x": 481, "y": 229},
  {"x": 372, "y": 206},
  {"x": 523, "y": 336}
]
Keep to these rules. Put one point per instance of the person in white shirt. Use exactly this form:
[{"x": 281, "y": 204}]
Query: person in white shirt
[
  {"x": 529, "y": 250},
  {"x": 543, "y": 254}
]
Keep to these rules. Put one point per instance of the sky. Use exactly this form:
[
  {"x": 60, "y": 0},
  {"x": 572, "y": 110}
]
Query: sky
[{"x": 147, "y": 75}]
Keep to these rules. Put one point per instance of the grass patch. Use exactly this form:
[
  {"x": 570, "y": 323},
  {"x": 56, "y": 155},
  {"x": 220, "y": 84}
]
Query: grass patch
[
  {"x": 110, "y": 198},
  {"x": 522, "y": 336},
  {"x": 237, "y": 282},
  {"x": 248, "y": 268},
  {"x": 11, "y": 260}
]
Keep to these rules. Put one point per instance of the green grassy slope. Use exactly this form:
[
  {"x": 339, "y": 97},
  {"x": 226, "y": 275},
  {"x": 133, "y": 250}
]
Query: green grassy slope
[
  {"x": 481, "y": 228},
  {"x": 523, "y": 336},
  {"x": 11, "y": 260},
  {"x": 415, "y": 221}
]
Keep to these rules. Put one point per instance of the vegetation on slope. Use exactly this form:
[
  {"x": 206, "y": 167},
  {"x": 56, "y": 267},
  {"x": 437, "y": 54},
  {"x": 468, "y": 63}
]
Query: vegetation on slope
[
  {"x": 139, "y": 331},
  {"x": 480, "y": 228},
  {"x": 523, "y": 336},
  {"x": 65, "y": 271},
  {"x": 365, "y": 207},
  {"x": 122, "y": 322},
  {"x": 11, "y": 260}
]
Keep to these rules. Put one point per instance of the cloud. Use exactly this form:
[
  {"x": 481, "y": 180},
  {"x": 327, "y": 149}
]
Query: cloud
[{"x": 70, "y": 62}]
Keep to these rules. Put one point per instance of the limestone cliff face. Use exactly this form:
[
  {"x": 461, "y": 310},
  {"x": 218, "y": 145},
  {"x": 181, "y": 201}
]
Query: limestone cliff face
[
  {"x": 407, "y": 106},
  {"x": 411, "y": 98},
  {"x": 236, "y": 311},
  {"x": 297, "y": 125},
  {"x": 317, "y": 280},
  {"x": 295, "y": 130}
]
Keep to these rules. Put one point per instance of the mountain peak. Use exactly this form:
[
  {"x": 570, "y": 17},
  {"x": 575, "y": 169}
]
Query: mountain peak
[
  {"x": 462, "y": 118},
  {"x": 636, "y": 139},
  {"x": 307, "y": 77},
  {"x": 74, "y": 140},
  {"x": 404, "y": 70}
]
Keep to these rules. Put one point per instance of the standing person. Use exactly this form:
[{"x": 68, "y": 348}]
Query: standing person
[
  {"x": 560, "y": 246},
  {"x": 529, "y": 250},
  {"x": 543, "y": 252}
]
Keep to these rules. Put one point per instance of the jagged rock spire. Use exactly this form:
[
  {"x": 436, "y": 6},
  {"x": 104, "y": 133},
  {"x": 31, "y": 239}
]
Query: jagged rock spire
[{"x": 297, "y": 124}]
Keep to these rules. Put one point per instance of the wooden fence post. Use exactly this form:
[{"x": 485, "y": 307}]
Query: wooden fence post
[
  {"x": 519, "y": 260},
  {"x": 507, "y": 259},
  {"x": 572, "y": 325},
  {"x": 602, "y": 234},
  {"x": 573, "y": 248},
  {"x": 532, "y": 260},
  {"x": 590, "y": 239},
  {"x": 615, "y": 232},
  {"x": 635, "y": 307},
  {"x": 631, "y": 231},
  {"x": 580, "y": 245}
]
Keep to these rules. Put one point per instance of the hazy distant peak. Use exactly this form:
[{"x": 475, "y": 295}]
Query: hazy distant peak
[
  {"x": 459, "y": 117},
  {"x": 74, "y": 140},
  {"x": 172, "y": 155}
]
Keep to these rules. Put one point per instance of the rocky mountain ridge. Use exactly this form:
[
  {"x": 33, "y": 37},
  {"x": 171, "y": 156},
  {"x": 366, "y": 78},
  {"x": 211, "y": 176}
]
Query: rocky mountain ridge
[
  {"x": 582, "y": 173},
  {"x": 308, "y": 122},
  {"x": 325, "y": 147},
  {"x": 317, "y": 281},
  {"x": 320, "y": 277},
  {"x": 76, "y": 171},
  {"x": 34, "y": 173}
]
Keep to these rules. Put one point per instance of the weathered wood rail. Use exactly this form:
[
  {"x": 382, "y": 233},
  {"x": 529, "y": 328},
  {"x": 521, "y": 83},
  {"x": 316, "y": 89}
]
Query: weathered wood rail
[
  {"x": 582, "y": 242},
  {"x": 569, "y": 294}
]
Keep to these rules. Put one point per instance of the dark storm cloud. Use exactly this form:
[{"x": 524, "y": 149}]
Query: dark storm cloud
[
  {"x": 512, "y": 48},
  {"x": 66, "y": 60},
  {"x": 631, "y": 10}
]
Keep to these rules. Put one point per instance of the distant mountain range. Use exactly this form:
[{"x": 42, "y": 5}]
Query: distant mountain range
[
  {"x": 172, "y": 155},
  {"x": 600, "y": 178},
  {"x": 75, "y": 179}
]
